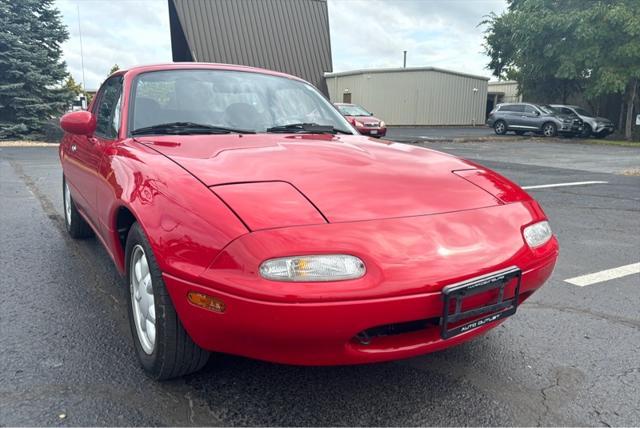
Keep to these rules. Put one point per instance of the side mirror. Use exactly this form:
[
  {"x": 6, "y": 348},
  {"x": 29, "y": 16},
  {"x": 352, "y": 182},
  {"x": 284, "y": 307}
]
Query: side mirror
[{"x": 79, "y": 123}]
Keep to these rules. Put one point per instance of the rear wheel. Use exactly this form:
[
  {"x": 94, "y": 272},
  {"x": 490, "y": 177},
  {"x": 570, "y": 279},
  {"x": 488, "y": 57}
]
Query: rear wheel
[
  {"x": 500, "y": 127},
  {"x": 77, "y": 226},
  {"x": 549, "y": 129},
  {"x": 164, "y": 348}
]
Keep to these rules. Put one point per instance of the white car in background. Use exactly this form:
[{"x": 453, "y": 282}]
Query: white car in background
[{"x": 599, "y": 127}]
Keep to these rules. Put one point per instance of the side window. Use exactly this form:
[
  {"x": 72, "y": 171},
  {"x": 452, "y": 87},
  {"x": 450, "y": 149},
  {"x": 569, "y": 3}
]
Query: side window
[
  {"x": 529, "y": 110},
  {"x": 517, "y": 108},
  {"x": 567, "y": 111},
  {"x": 107, "y": 109}
]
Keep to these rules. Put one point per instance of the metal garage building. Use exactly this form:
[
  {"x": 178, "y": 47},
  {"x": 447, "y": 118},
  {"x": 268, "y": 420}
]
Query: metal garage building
[
  {"x": 414, "y": 96},
  {"x": 283, "y": 35},
  {"x": 502, "y": 91}
]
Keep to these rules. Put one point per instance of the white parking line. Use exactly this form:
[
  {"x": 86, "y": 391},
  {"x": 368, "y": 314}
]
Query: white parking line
[
  {"x": 576, "y": 183},
  {"x": 604, "y": 275}
]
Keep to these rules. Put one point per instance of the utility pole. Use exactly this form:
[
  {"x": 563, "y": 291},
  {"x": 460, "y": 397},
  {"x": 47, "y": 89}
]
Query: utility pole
[
  {"x": 84, "y": 87},
  {"x": 404, "y": 63}
]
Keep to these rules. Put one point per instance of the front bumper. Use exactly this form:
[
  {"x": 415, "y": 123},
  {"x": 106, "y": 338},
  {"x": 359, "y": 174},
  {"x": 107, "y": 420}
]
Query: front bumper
[
  {"x": 409, "y": 261},
  {"x": 603, "y": 129},
  {"x": 374, "y": 132}
]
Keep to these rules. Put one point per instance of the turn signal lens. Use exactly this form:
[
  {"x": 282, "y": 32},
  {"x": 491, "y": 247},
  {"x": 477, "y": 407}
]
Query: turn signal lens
[
  {"x": 382, "y": 124},
  {"x": 208, "y": 302},
  {"x": 333, "y": 267},
  {"x": 537, "y": 234}
]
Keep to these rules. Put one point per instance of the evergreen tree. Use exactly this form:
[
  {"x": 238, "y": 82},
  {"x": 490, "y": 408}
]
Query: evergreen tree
[{"x": 31, "y": 69}]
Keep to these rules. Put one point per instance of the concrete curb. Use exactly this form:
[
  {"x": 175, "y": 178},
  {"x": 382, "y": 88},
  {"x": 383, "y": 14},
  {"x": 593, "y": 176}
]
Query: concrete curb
[{"x": 27, "y": 144}]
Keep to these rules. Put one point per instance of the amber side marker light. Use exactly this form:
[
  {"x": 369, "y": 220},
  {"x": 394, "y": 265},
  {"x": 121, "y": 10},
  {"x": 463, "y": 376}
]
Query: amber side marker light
[{"x": 208, "y": 302}]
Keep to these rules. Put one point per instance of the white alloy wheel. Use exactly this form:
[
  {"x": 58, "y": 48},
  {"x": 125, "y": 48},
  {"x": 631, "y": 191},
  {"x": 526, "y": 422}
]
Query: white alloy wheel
[
  {"x": 67, "y": 204},
  {"x": 142, "y": 300}
]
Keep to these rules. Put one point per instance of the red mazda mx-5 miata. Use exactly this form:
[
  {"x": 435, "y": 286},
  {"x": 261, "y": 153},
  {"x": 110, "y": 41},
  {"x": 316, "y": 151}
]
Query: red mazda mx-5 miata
[{"x": 250, "y": 218}]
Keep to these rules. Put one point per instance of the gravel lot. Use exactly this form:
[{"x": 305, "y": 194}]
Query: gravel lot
[{"x": 570, "y": 356}]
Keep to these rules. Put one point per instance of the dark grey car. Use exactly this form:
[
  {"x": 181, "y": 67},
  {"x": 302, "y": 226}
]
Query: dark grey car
[{"x": 527, "y": 117}]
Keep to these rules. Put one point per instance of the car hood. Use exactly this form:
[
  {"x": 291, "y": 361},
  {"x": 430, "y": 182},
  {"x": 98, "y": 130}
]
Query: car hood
[
  {"x": 347, "y": 178},
  {"x": 602, "y": 119},
  {"x": 365, "y": 119}
]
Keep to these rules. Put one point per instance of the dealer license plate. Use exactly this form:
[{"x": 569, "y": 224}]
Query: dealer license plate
[{"x": 457, "y": 321}]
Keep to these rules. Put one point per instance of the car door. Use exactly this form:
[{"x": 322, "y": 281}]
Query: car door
[
  {"x": 86, "y": 152},
  {"x": 513, "y": 115},
  {"x": 530, "y": 118}
]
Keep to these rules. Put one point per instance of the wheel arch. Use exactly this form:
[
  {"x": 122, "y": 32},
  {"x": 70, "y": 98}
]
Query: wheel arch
[{"x": 122, "y": 222}]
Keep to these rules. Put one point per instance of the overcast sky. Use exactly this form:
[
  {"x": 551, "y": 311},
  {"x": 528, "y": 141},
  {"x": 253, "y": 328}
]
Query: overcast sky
[{"x": 364, "y": 34}]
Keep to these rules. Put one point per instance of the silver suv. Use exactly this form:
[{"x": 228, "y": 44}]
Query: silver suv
[
  {"x": 600, "y": 127},
  {"x": 527, "y": 117}
]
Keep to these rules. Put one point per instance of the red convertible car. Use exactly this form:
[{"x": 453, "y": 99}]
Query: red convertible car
[{"x": 248, "y": 217}]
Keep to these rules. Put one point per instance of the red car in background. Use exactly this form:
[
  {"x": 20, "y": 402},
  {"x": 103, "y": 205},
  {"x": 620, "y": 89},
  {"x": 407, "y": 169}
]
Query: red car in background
[
  {"x": 248, "y": 217},
  {"x": 366, "y": 123}
]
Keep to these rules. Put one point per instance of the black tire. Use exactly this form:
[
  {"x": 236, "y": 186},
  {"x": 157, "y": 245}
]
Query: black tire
[
  {"x": 586, "y": 131},
  {"x": 549, "y": 129},
  {"x": 500, "y": 127},
  {"x": 76, "y": 225},
  {"x": 174, "y": 352},
  {"x": 520, "y": 132}
]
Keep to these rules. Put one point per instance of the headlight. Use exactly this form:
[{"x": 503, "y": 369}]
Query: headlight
[
  {"x": 537, "y": 234},
  {"x": 358, "y": 123},
  {"x": 382, "y": 124},
  {"x": 331, "y": 267}
]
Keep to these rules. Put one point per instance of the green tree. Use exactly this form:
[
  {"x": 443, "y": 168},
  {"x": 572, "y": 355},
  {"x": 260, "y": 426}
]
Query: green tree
[
  {"x": 555, "y": 49},
  {"x": 115, "y": 68},
  {"x": 73, "y": 87},
  {"x": 31, "y": 69}
]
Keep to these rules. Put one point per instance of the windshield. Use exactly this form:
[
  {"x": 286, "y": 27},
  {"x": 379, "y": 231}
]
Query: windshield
[
  {"x": 247, "y": 101},
  {"x": 582, "y": 112},
  {"x": 353, "y": 110},
  {"x": 548, "y": 109}
]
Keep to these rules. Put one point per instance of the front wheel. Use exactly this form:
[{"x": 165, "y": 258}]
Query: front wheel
[
  {"x": 162, "y": 345},
  {"x": 500, "y": 127},
  {"x": 549, "y": 129},
  {"x": 586, "y": 131}
]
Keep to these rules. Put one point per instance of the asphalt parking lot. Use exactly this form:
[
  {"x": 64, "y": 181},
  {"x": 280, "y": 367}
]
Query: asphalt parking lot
[{"x": 570, "y": 356}]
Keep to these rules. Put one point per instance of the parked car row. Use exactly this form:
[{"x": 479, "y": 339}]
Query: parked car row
[{"x": 548, "y": 120}]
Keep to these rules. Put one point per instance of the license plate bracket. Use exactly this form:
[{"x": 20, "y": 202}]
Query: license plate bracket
[{"x": 503, "y": 308}]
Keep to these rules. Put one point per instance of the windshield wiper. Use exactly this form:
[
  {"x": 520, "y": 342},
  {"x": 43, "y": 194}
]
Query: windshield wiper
[
  {"x": 310, "y": 128},
  {"x": 186, "y": 128}
]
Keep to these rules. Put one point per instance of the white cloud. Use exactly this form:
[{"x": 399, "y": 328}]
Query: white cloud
[
  {"x": 364, "y": 34},
  {"x": 123, "y": 32}
]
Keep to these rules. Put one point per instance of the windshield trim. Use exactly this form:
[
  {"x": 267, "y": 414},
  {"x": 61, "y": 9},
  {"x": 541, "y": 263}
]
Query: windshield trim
[{"x": 133, "y": 86}]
